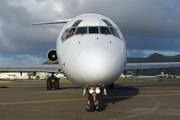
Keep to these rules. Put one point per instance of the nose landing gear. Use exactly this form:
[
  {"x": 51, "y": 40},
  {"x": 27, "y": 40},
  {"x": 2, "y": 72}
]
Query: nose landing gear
[{"x": 94, "y": 101}]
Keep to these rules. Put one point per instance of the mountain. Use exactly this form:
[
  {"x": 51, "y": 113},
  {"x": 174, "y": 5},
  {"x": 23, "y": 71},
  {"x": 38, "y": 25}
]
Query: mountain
[{"x": 156, "y": 57}]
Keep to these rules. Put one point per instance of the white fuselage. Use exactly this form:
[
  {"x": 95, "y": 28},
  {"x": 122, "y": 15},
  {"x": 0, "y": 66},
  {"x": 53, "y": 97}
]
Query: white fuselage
[{"x": 92, "y": 57}]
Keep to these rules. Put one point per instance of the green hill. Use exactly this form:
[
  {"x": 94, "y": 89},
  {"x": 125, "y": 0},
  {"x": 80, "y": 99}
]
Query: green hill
[{"x": 156, "y": 57}]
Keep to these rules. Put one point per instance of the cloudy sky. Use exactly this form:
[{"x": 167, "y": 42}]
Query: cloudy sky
[{"x": 148, "y": 26}]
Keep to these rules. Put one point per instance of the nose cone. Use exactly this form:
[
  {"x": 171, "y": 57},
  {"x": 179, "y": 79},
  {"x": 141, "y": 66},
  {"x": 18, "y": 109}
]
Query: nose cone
[{"x": 96, "y": 65}]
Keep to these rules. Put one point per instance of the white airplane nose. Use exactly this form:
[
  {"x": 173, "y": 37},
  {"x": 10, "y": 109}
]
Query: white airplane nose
[{"x": 96, "y": 65}]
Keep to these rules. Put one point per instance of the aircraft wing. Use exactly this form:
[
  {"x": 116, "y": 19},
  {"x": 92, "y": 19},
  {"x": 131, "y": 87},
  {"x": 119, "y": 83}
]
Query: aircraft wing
[
  {"x": 52, "y": 22},
  {"x": 40, "y": 68},
  {"x": 156, "y": 65}
]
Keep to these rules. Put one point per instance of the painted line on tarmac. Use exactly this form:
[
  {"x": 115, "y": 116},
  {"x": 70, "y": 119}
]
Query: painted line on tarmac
[
  {"x": 157, "y": 95},
  {"x": 5, "y": 81},
  {"x": 158, "y": 111},
  {"x": 77, "y": 99},
  {"x": 43, "y": 101}
]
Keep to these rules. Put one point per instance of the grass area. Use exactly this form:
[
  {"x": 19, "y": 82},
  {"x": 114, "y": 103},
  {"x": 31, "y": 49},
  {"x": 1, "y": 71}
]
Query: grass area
[
  {"x": 31, "y": 80},
  {"x": 64, "y": 81},
  {"x": 60, "y": 81}
]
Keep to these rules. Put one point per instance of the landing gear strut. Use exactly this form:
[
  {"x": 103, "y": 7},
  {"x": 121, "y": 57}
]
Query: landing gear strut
[
  {"x": 52, "y": 82},
  {"x": 94, "y": 100}
]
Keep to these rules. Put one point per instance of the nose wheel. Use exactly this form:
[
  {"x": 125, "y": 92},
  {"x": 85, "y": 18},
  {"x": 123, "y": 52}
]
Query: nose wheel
[
  {"x": 94, "y": 101},
  {"x": 99, "y": 106},
  {"x": 94, "y": 104},
  {"x": 90, "y": 104}
]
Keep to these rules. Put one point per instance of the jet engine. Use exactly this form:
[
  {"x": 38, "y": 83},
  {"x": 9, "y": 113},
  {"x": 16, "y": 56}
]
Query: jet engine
[{"x": 52, "y": 57}]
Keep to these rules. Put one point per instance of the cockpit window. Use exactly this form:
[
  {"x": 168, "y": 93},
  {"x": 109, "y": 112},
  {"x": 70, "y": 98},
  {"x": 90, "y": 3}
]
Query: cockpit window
[
  {"x": 93, "y": 30},
  {"x": 64, "y": 36},
  {"x": 105, "y": 30},
  {"x": 67, "y": 34},
  {"x": 81, "y": 30},
  {"x": 107, "y": 22},
  {"x": 120, "y": 34},
  {"x": 72, "y": 31},
  {"x": 77, "y": 23},
  {"x": 114, "y": 32}
]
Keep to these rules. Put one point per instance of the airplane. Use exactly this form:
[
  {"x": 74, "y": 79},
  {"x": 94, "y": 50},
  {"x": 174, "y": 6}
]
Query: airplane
[
  {"x": 91, "y": 52},
  {"x": 5, "y": 76}
]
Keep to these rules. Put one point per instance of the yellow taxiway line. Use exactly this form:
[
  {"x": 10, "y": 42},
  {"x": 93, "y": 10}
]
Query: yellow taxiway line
[
  {"x": 5, "y": 81},
  {"x": 77, "y": 99},
  {"x": 157, "y": 95},
  {"x": 43, "y": 101}
]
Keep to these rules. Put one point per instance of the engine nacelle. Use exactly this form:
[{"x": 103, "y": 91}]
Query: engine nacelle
[{"x": 52, "y": 57}]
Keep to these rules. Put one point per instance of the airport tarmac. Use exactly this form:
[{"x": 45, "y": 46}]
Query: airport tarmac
[{"x": 29, "y": 100}]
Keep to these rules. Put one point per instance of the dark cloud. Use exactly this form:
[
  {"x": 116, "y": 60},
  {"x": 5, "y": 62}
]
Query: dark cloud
[
  {"x": 142, "y": 43},
  {"x": 147, "y": 25},
  {"x": 20, "y": 35}
]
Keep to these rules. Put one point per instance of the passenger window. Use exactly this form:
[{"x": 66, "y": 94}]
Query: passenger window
[
  {"x": 114, "y": 32},
  {"x": 104, "y": 30},
  {"x": 81, "y": 30},
  {"x": 93, "y": 30}
]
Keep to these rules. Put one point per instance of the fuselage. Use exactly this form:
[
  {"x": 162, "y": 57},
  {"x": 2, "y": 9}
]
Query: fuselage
[{"x": 91, "y": 50}]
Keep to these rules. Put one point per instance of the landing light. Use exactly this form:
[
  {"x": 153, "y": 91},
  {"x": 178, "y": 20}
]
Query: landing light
[
  {"x": 91, "y": 90},
  {"x": 97, "y": 90}
]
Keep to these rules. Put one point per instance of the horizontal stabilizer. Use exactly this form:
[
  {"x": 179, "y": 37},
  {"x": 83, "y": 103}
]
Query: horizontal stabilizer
[{"x": 52, "y": 22}]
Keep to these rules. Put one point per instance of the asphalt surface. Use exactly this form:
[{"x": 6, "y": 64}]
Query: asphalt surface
[{"x": 29, "y": 100}]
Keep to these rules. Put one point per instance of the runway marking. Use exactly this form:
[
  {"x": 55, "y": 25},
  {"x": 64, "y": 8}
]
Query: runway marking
[
  {"x": 5, "y": 81},
  {"x": 143, "y": 95},
  {"x": 76, "y": 99},
  {"x": 147, "y": 111},
  {"x": 159, "y": 111},
  {"x": 43, "y": 101}
]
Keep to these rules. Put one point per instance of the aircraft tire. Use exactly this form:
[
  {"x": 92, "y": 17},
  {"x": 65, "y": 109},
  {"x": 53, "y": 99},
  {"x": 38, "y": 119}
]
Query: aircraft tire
[
  {"x": 90, "y": 104},
  {"x": 49, "y": 84},
  {"x": 99, "y": 105},
  {"x": 56, "y": 85}
]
